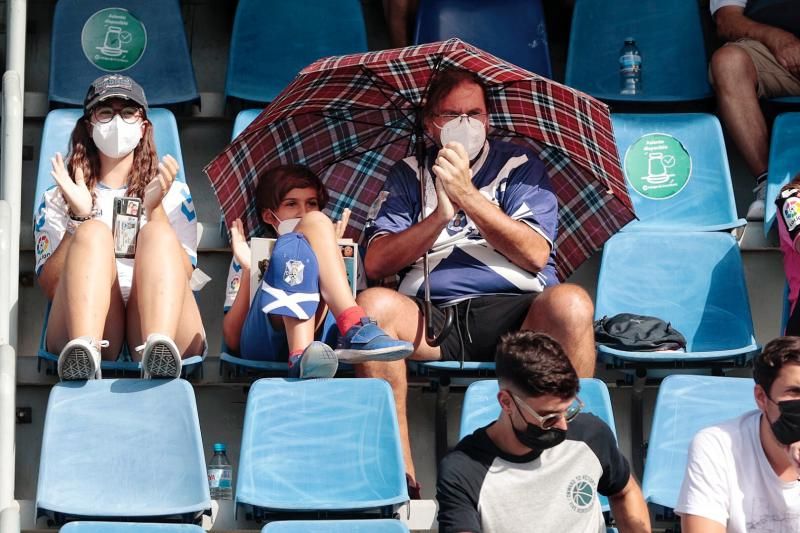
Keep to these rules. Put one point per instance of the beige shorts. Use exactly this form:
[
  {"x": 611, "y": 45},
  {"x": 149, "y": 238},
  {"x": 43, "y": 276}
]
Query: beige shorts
[{"x": 773, "y": 79}]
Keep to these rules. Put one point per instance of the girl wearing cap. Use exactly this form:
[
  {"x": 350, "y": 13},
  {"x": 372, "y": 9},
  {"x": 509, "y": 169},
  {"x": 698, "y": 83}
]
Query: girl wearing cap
[
  {"x": 281, "y": 321},
  {"x": 102, "y": 300}
]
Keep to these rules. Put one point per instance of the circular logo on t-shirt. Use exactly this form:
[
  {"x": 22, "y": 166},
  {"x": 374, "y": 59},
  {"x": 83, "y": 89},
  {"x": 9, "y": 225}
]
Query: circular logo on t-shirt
[
  {"x": 42, "y": 245},
  {"x": 113, "y": 39},
  {"x": 791, "y": 212},
  {"x": 657, "y": 166},
  {"x": 581, "y": 493}
]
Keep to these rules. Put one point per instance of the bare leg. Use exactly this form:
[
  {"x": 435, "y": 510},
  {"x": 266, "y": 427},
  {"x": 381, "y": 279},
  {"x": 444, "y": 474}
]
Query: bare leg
[
  {"x": 736, "y": 83},
  {"x": 299, "y": 333},
  {"x": 565, "y": 312},
  {"x": 161, "y": 300},
  {"x": 88, "y": 301},
  {"x": 333, "y": 286},
  {"x": 400, "y": 317}
]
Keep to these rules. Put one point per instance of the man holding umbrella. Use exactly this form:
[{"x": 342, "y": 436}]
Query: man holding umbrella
[{"x": 490, "y": 227}]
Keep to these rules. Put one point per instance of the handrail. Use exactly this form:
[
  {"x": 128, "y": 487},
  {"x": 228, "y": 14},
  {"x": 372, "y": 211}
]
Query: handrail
[
  {"x": 5, "y": 274},
  {"x": 8, "y": 390}
]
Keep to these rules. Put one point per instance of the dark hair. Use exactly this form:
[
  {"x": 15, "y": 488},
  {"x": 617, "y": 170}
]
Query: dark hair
[
  {"x": 793, "y": 183},
  {"x": 444, "y": 82},
  {"x": 535, "y": 364},
  {"x": 276, "y": 183},
  {"x": 778, "y": 352}
]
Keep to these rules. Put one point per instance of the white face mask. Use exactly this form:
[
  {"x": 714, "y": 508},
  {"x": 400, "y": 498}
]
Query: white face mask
[
  {"x": 116, "y": 138},
  {"x": 286, "y": 226},
  {"x": 470, "y": 132}
]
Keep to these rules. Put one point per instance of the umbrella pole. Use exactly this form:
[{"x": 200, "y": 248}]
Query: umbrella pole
[{"x": 431, "y": 337}]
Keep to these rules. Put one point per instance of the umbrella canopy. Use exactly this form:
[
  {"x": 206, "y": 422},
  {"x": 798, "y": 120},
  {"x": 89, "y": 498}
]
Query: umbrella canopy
[{"x": 350, "y": 118}]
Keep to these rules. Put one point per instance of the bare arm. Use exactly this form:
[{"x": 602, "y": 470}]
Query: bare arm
[
  {"x": 732, "y": 24},
  {"x": 51, "y": 270},
  {"x": 698, "y": 524},
  {"x": 514, "y": 239},
  {"x": 629, "y": 509}
]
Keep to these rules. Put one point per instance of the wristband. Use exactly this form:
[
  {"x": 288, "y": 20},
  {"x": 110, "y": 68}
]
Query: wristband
[{"x": 76, "y": 218}]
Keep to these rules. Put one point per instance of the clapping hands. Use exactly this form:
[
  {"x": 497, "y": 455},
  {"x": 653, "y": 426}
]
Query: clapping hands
[
  {"x": 75, "y": 192},
  {"x": 158, "y": 187}
]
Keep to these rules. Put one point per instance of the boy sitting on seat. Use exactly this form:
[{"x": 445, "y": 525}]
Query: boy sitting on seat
[{"x": 285, "y": 313}]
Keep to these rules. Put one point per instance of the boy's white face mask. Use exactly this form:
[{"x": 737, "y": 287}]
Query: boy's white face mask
[
  {"x": 468, "y": 131},
  {"x": 116, "y": 138},
  {"x": 285, "y": 226}
]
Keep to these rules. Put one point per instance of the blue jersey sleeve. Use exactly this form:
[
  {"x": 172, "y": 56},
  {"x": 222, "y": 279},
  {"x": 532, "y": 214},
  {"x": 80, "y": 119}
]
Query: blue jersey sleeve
[
  {"x": 528, "y": 197},
  {"x": 397, "y": 206}
]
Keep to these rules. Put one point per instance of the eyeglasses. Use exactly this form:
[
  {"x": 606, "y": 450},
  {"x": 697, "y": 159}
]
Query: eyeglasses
[
  {"x": 447, "y": 117},
  {"x": 129, "y": 114},
  {"x": 549, "y": 421}
]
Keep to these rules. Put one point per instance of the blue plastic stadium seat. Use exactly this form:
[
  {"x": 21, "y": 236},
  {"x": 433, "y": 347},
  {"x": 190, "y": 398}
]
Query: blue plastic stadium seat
[
  {"x": 243, "y": 119},
  {"x": 123, "y": 449},
  {"x": 125, "y": 527},
  {"x": 685, "y": 405},
  {"x": 336, "y": 526},
  {"x": 676, "y": 170},
  {"x": 343, "y": 432},
  {"x": 138, "y": 38},
  {"x": 273, "y": 40},
  {"x": 513, "y": 30},
  {"x": 784, "y": 160},
  {"x": 55, "y": 138},
  {"x": 669, "y": 37},
  {"x": 481, "y": 408},
  {"x": 695, "y": 281}
]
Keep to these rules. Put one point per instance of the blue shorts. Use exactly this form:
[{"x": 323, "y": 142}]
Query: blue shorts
[{"x": 262, "y": 342}]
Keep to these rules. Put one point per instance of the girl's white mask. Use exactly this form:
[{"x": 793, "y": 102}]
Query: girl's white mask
[
  {"x": 116, "y": 138},
  {"x": 468, "y": 131}
]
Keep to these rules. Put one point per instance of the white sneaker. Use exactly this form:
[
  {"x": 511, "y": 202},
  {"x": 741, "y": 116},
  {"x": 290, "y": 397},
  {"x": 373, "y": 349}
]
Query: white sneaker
[
  {"x": 756, "y": 209},
  {"x": 80, "y": 359},
  {"x": 160, "y": 357}
]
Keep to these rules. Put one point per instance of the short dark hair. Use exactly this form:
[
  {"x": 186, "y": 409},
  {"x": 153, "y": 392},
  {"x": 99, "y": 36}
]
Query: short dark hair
[
  {"x": 444, "y": 82},
  {"x": 536, "y": 365},
  {"x": 778, "y": 352},
  {"x": 276, "y": 183}
]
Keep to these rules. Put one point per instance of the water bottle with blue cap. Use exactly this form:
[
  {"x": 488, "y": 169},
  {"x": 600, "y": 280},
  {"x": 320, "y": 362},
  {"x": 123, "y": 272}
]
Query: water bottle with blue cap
[{"x": 220, "y": 474}]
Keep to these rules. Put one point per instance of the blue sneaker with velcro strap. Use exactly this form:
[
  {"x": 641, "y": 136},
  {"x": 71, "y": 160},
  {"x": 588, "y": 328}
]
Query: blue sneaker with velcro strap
[{"x": 367, "y": 342}]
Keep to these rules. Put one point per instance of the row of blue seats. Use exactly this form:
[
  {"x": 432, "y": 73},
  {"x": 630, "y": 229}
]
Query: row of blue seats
[
  {"x": 146, "y": 41},
  {"x": 146, "y": 461}
]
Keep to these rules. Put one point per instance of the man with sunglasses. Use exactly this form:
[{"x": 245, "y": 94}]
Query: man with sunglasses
[
  {"x": 540, "y": 466},
  {"x": 488, "y": 222},
  {"x": 743, "y": 475}
]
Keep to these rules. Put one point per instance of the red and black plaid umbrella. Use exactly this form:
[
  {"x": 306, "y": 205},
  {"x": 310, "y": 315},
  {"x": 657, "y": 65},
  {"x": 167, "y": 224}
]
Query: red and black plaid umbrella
[{"x": 350, "y": 118}]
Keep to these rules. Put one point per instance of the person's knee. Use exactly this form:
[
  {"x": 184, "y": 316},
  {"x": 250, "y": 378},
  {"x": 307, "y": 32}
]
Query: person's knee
[
  {"x": 379, "y": 303},
  {"x": 315, "y": 220},
  {"x": 93, "y": 233},
  {"x": 730, "y": 67},
  {"x": 156, "y": 233},
  {"x": 569, "y": 305}
]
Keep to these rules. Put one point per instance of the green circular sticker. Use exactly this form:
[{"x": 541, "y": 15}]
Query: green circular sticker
[
  {"x": 657, "y": 166},
  {"x": 113, "y": 39}
]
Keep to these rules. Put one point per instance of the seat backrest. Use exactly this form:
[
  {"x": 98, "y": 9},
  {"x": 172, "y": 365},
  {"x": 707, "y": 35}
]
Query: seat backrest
[
  {"x": 677, "y": 173},
  {"x": 273, "y": 40},
  {"x": 343, "y": 431},
  {"x": 686, "y": 404},
  {"x": 122, "y": 448},
  {"x": 243, "y": 119},
  {"x": 125, "y": 527},
  {"x": 336, "y": 526},
  {"x": 513, "y": 30},
  {"x": 138, "y": 38},
  {"x": 668, "y": 35},
  {"x": 58, "y": 127},
  {"x": 695, "y": 281},
  {"x": 784, "y": 160}
]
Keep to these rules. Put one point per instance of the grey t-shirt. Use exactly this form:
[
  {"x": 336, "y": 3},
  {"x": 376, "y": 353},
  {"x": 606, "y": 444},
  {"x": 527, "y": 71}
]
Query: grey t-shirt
[{"x": 481, "y": 489}]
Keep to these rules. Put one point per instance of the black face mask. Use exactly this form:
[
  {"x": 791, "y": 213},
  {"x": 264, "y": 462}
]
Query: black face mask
[
  {"x": 536, "y": 438},
  {"x": 787, "y": 427}
]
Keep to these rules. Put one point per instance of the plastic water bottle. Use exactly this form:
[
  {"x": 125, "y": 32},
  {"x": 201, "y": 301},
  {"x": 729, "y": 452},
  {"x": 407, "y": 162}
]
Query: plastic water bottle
[
  {"x": 220, "y": 474},
  {"x": 630, "y": 68}
]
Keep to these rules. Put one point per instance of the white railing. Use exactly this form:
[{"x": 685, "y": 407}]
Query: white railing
[{"x": 9, "y": 511}]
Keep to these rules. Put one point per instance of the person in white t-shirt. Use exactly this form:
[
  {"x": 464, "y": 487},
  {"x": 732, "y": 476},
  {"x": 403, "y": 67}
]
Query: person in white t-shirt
[
  {"x": 760, "y": 60},
  {"x": 742, "y": 475},
  {"x": 108, "y": 287}
]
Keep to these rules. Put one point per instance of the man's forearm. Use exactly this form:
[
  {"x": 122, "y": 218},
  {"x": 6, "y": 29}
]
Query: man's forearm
[
  {"x": 389, "y": 254},
  {"x": 512, "y": 238},
  {"x": 732, "y": 24},
  {"x": 630, "y": 510}
]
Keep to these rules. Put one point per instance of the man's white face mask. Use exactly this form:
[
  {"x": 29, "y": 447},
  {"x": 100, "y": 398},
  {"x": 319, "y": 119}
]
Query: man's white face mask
[
  {"x": 468, "y": 131},
  {"x": 116, "y": 138}
]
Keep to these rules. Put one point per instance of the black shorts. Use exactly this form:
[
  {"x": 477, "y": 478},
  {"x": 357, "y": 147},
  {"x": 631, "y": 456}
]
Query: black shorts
[{"x": 479, "y": 324}]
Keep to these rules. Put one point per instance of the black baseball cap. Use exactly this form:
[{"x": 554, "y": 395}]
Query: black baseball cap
[{"x": 114, "y": 86}]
